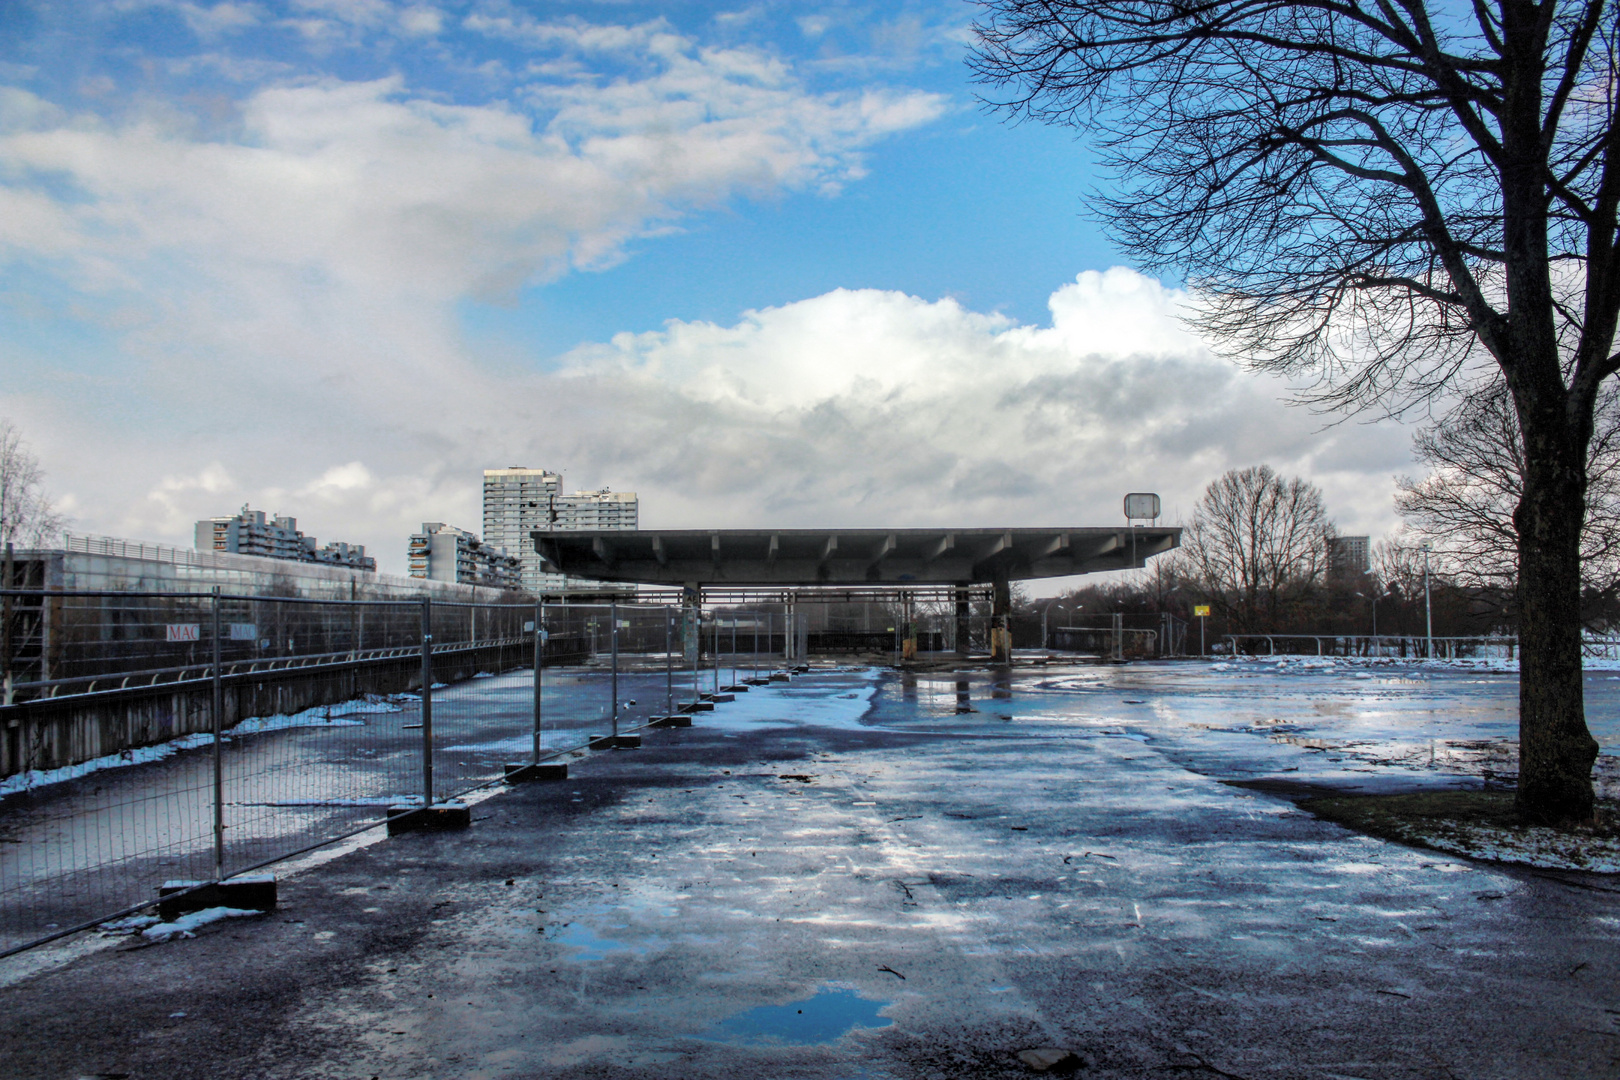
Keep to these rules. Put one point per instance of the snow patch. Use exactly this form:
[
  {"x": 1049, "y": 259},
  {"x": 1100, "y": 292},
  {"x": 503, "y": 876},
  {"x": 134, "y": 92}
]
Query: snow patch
[
  {"x": 186, "y": 925},
  {"x": 1288, "y": 663},
  {"x": 140, "y": 755},
  {"x": 319, "y": 716},
  {"x": 354, "y": 800},
  {"x": 1547, "y": 849},
  {"x": 517, "y": 744}
]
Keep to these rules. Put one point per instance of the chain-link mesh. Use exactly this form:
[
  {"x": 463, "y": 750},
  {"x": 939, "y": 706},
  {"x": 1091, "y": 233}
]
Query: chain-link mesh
[{"x": 111, "y": 781}]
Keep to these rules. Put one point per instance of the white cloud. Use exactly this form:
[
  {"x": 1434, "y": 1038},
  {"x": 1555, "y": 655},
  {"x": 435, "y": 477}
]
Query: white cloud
[
  {"x": 421, "y": 21},
  {"x": 854, "y": 408},
  {"x": 166, "y": 506},
  {"x": 874, "y": 408},
  {"x": 274, "y": 301},
  {"x": 209, "y": 22},
  {"x": 299, "y": 268},
  {"x": 377, "y": 188},
  {"x": 339, "y": 482}
]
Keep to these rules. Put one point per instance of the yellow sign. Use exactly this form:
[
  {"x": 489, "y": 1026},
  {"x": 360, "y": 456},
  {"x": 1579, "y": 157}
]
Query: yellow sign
[{"x": 1201, "y": 610}]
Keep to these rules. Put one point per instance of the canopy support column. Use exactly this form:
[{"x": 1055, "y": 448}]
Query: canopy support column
[{"x": 1001, "y": 619}]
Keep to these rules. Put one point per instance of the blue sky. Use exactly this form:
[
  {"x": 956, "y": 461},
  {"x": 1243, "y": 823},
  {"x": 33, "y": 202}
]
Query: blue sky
[{"x": 765, "y": 264}]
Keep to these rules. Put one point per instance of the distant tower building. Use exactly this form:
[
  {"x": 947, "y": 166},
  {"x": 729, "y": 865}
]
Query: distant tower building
[
  {"x": 443, "y": 552},
  {"x": 252, "y": 532},
  {"x": 597, "y": 510},
  {"x": 519, "y": 502},
  {"x": 1348, "y": 556}
]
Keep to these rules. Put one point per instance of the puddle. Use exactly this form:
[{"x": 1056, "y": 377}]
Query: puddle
[
  {"x": 826, "y": 1017},
  {"x": 591, "y": 946}
]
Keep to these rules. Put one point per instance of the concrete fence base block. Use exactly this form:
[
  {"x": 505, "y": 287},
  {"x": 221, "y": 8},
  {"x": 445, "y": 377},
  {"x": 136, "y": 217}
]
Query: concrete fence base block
[
  {"x": 721, "y": 699},
  {"x": 697, "y": 706},
  {"x": 519, "y": 772},
  {"x": 678, "y": 720},
  {"x": 780, "y": 676},
  {"x": 800, "y": 669},
  {"x": 758, "y": 680},
  {"x": 249, "y": 892},
  {"x": 436, "y": 818},
  {"x": 740, "y": 688}
]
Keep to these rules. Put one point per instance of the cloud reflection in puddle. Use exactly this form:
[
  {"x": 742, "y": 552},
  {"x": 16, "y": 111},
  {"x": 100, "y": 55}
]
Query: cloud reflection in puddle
[{"x": 826, "y": 1017}]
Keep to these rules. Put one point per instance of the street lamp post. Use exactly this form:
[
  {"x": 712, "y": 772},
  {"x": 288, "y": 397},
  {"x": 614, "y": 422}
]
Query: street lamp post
[
  {"x": 1045, "y": 642},
  {"x": 1373, "y": 599},
  {"x": 1428, "y": 611}
]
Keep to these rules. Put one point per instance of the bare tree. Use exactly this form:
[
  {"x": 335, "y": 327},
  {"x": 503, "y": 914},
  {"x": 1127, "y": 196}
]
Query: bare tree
[
  {"x": 1162, "y": 582},
  {"x": 1388, "y": 196},
  {"x": 1397, "y": 564},
  {"x": 28, "y": 518},
  {"x": 1256, "y": 547},
  {"x": 1464, "y": 507}
]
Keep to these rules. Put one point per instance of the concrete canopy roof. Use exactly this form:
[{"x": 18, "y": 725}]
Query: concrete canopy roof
[{"x": 836, "y": 556}]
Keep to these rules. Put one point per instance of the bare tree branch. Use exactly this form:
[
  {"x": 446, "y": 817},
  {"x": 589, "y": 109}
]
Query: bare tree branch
[
  {"x": 28, "y": 518},
  {"x": 1377, "y": 199}
]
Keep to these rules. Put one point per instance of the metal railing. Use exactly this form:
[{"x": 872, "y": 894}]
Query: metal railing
[{"x": 1395, "y": 646}]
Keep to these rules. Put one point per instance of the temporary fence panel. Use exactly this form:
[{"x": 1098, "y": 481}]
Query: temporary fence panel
[{"x": 287, "y": 723}]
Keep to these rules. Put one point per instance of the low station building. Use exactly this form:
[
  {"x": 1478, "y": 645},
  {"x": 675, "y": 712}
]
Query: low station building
[{"x": 898, "y": 562}]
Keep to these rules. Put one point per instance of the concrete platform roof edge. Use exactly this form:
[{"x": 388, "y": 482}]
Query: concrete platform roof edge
[{"x": 822, "y": 556}]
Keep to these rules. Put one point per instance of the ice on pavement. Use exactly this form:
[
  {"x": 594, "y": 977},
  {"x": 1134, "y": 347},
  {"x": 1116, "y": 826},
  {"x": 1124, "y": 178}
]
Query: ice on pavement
[{"x": 833, "y": 700}]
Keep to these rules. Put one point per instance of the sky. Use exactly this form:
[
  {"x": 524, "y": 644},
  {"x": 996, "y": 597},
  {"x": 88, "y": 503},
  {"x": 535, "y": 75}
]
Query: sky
[{"x": 764, "y": 265}]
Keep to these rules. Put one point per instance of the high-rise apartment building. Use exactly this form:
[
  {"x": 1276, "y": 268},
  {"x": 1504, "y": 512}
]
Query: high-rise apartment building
[
  {"x": 1348, "y": 556},
  {"x": 443, "y": 552},
  {"x": 520, "y": 501},
  {"x": 253, "y": 532}
]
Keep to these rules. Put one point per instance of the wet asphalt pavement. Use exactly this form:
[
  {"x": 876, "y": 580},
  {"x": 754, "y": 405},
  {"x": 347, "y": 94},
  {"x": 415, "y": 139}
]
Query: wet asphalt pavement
[{"x": 912, "y": 892}]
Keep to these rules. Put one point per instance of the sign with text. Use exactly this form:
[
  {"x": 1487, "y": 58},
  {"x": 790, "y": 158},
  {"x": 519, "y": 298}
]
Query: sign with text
[
  {"x": 244, "y": 631},
  {"x": 1201, "y": 610},
  {"x": 189, "y": 631}
]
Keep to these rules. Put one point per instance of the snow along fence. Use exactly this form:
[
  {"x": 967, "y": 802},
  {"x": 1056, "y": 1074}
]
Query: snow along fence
[
  {"x": 88, "y": 674},
  {"x": 258, "y": 746}
]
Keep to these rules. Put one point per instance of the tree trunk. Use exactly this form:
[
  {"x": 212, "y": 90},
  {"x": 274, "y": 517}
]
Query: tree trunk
[{"x": 1556, "y": 751}]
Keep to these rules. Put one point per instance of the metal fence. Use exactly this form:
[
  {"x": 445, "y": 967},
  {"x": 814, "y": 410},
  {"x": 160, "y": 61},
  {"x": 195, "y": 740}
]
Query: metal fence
[
  {"x": 1395, "y": 646},
  {"x": 200, "y": 736}
]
